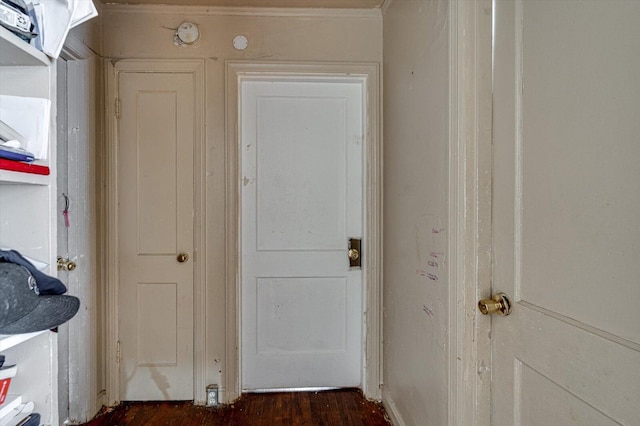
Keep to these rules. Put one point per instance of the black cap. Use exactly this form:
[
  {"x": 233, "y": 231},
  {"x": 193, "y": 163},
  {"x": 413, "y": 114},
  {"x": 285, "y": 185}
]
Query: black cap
[{"x": 23, "y": 310}]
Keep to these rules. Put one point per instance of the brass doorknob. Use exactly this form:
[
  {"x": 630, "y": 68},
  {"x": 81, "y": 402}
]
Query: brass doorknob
[
  {"x": 66, "y": 264},
  {"x": 182, "y": 257},
  {"x": 354, "y": 254},
  {"x": 499, "y": 304}
]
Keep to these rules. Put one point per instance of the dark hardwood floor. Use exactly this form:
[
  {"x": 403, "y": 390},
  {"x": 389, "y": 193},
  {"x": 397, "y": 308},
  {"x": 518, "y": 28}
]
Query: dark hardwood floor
[{"x": 346, "y": 407}]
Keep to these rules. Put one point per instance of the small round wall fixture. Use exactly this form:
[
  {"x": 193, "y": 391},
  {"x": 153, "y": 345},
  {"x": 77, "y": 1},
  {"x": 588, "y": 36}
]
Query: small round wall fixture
[
  {"x": 187, "y": 33},
  {"x": 240, "y": 42}
]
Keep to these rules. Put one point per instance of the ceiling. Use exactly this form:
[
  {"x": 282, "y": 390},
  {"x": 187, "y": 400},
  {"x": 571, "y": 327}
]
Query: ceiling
[{"x": 334, "y": 4}]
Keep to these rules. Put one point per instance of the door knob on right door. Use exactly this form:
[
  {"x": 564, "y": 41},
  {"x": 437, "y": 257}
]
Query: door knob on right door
[{"x": 500, "y": 304}]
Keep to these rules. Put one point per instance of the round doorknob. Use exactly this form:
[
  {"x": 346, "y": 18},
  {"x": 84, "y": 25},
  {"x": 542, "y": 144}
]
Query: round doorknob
[
  {"x": 66, "y": 264},
  {"x": 499, "y": 304},
  {"x": 182, "y": 257},
  {"x": 354, "y": 254}
]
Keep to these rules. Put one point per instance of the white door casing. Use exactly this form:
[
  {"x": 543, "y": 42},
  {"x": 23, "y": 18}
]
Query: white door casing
[
  {"x": 302, "y": 144},
  {"x": 159, "y": 127},
  {"x": 565, "y": 202}
]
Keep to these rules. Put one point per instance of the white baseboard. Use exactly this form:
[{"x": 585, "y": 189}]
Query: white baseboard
[{"x": 391, "y": 409}]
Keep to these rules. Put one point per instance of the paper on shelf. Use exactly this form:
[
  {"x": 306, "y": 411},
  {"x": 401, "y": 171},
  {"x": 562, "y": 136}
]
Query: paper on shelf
[
  {"x": 58, "y": 17},
  {"x": 8, "y": 133},
  {"x": 55, "y": 26},
  {"x": 83, "y": 11},
  {"x": 35, "y": 13},
  {"x": 30, "y": 117}
]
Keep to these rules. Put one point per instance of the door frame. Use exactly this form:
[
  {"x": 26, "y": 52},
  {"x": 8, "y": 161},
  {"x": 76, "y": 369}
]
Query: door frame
[
  {"x": 112, "y": 70},
  {"x": 368, "y": 73},
  {"x": 470, "y": 199}
]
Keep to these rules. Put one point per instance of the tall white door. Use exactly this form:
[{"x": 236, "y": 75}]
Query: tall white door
[
  {"x": 566, "y": 202},
  {"x": 63, "y": 246},
  {"x": 301, "y": 144},
  {"x": 75, "y": 162},
  {"x": 155, "y": 235}
]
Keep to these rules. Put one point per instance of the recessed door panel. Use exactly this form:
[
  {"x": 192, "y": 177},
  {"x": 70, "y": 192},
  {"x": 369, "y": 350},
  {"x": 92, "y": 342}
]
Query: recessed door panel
[
  {"x": 290, "y": 307},
  {"x": 157, "y": 186},
  {"x": 299, "y": 137}
]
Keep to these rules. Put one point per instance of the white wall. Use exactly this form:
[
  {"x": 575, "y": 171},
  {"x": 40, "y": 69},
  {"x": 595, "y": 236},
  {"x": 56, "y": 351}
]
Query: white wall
[
  {"x": 416, "y": 58},
  {"x": 146, "y": 32}
]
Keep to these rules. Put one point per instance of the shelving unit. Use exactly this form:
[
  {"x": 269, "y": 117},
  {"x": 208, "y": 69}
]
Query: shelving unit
[
  {"x": 7, "y": 342},
  {"x": 9, "y": 403},
  {"x": 28, "y": 224},
  {"x": 15, "y": 52}
]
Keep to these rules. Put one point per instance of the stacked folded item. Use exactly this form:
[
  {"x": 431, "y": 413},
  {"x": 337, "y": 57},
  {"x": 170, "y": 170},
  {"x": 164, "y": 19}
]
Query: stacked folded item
[
  {"x": 14, "y": 16},
  {"x": 12, "y": 154},
  {"x": 45, "y": 23}
]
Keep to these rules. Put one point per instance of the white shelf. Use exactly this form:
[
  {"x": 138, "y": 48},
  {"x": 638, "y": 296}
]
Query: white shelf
[
  {"x": 10, "y": 402},
  {"x": 13, "y": 177},
  {"x": 17, "y": 52},
  {"x": 9, "y": 341}
]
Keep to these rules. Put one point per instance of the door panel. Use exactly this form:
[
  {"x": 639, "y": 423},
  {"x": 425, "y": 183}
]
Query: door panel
[
  {"x": 286, "y": 195},
  {"x": 75, "y": 168},
  {"x": 63, "y": 247},
  {"x": 301, "y": 201},
  {"x": 566, "y": 195},
  {"x": 155, "y": 218},
  {"x": 288, "y": 309}
]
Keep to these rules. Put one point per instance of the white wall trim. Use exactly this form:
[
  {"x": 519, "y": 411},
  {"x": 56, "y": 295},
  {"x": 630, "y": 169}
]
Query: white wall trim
[
  {"x": 373, "y": 212},
  {"x": 469, "y": 210},
  {"x": 111, "y": 270},
  {"x": 196, "y": 67},
  {"x": 241, "y": 11},
  {"x": 74, "y": 49},
  {"x": 386, "y": 4},
  {"x": 391, "y": 409}
]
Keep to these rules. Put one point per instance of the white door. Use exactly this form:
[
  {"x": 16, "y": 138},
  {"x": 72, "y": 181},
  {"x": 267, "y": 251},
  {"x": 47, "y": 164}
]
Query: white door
[
  {"x": 566, "y": 202},
  {"x": 155, "y": 234},
  {"x": 63, "y": 247},
  {"x": 77, "y": 340},
  {"x": 301, "y": 144}
]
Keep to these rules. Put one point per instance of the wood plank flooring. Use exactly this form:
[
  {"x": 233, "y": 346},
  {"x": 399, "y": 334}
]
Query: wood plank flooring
[{"x": 344, "y": 407}]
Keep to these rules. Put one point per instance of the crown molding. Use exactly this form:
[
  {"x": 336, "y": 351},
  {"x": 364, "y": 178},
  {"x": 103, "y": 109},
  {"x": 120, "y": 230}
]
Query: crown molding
[
  {"x": 386, "y": 4},
  {"x": 75, "y": 49},
  {"x": 242, "y": 11}
]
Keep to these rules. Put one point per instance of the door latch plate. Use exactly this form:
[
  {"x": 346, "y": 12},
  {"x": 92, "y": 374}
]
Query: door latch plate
[{"x": 355, "y": 252}]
